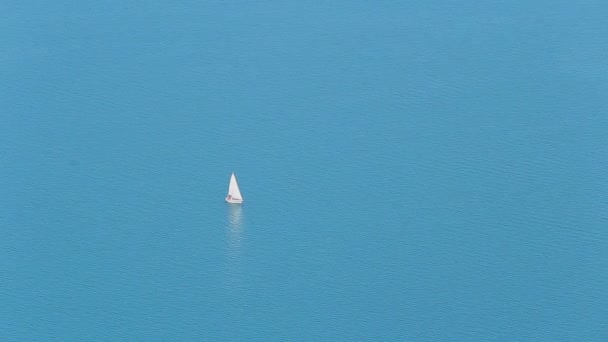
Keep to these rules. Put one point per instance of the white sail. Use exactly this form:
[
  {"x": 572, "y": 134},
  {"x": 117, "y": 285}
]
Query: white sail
[{"x": 234, "y": 194}]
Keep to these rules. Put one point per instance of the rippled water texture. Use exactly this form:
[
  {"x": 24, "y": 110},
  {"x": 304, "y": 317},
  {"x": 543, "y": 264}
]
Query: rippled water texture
[{"x": 412, "y": 171}]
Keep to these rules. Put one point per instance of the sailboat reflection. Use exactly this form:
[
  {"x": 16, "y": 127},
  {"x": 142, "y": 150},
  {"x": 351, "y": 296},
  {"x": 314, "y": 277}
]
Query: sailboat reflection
[
  {"x": 233, "y": 266},
  {"x": 235, "y": 230}
]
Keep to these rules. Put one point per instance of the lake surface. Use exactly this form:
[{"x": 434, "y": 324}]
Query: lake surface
[{"x": 412, "y": 170}]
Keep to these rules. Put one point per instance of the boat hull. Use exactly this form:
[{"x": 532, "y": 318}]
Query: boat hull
[{"x": 234, "y": 200}]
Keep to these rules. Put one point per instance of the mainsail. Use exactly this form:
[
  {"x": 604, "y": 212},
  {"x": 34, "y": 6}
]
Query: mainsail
[{"x": 234, "y": 194}]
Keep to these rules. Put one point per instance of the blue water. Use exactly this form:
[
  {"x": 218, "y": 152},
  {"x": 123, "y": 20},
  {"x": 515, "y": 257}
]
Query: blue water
[{"x": 412, "y": 170}]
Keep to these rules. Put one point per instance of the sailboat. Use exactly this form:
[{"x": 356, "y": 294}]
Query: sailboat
[{"x": 234, "y": 194}]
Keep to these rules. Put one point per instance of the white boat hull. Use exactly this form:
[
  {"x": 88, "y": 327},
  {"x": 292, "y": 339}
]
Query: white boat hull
[{"x": 234, "y": 200}]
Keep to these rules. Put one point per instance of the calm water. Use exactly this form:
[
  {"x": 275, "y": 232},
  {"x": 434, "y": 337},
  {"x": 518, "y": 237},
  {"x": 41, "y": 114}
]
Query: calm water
[{"x": 412, "y": 170}]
